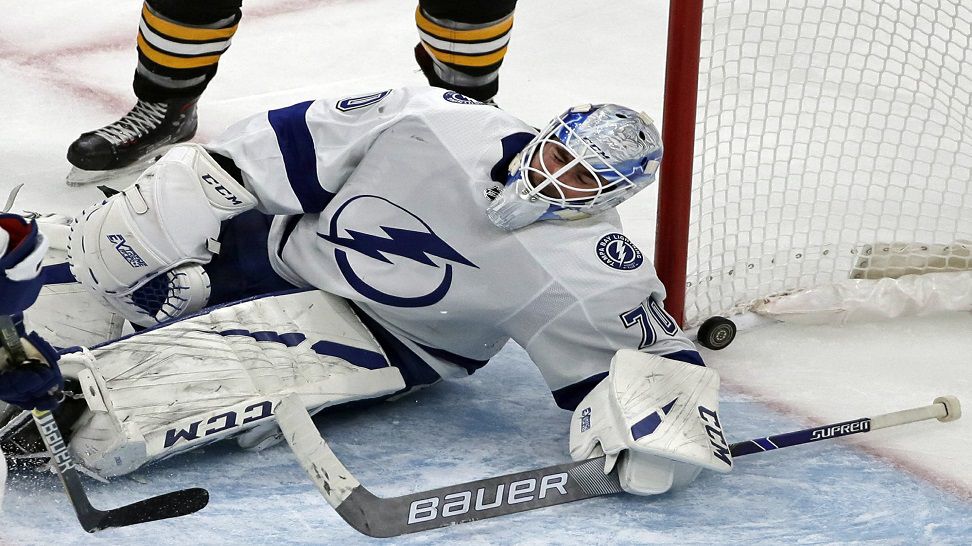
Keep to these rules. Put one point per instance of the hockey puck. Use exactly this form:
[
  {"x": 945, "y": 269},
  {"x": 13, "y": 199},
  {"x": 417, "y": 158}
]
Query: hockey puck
[{"x": 716, "y": 333}]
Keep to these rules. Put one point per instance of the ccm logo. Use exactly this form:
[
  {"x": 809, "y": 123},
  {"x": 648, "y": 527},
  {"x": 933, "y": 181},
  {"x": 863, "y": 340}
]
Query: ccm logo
[
  {"x": 220, "y": 423},
  {"x": 456, "y": 504},
  {"x": 220, "y": 189},
  {"x": 717, "y": 441}
]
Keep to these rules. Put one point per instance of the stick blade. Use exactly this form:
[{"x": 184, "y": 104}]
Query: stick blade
[{"x": 169, "y": 505}]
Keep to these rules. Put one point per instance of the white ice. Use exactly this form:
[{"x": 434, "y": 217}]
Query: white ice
[{"x": 66, "y": 67}]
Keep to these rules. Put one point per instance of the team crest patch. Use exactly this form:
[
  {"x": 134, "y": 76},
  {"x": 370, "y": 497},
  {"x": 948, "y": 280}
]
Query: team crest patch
[
  {"x": 618, "y": 252},
  {"x": 457, "y": 98}
]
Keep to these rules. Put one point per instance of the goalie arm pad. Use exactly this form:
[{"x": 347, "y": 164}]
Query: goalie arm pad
[
  {"x": 658, "y": 416},
  {"x": 170, "y": 216}
]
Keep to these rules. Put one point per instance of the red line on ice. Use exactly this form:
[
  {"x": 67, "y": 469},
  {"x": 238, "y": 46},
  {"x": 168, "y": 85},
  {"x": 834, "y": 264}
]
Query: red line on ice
[
  {"x": 945, "y": 483},
  {"x": 46, "y": 63}
]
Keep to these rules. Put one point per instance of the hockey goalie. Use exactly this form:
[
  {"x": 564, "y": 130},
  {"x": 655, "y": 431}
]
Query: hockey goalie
[{"x": 350, "y": 250}]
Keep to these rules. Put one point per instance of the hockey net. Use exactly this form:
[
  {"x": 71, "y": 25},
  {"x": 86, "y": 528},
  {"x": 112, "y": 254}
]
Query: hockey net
[{"x": 832, "y": 140}]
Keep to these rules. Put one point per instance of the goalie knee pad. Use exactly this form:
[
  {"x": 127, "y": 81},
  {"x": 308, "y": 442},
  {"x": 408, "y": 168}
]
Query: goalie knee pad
[{"x": 174, "y": 388}]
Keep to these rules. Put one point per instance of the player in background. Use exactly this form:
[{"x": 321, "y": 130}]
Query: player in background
[
  {"x": 180, "y": 43},
  {"x": 429, "y": 229},
  {"x": 22, "y": 248}
]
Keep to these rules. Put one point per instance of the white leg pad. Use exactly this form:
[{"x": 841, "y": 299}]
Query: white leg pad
[{"x": 205, "y": 378}]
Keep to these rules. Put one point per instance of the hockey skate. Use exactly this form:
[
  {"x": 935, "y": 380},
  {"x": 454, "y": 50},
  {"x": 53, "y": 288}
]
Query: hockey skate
[{"x": 129, "y": 145}]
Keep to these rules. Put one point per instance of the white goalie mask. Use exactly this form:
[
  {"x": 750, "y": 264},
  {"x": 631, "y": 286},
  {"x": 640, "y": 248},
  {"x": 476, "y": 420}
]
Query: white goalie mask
[{"x": 587, "y": 160}]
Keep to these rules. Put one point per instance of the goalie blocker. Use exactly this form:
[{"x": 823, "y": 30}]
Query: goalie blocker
[{"x": 654, "y": 417}]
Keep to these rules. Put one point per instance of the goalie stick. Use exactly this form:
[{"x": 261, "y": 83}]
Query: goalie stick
[
  {"x": 511, "y": 493},
  {"x": 168, "y": 505}
]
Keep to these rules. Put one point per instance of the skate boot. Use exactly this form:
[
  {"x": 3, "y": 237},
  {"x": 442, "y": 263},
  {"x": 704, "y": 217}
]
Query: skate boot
[{"x": 129, "y": 145}]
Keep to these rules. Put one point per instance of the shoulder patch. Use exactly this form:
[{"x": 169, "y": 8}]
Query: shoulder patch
[
  {"x": 457, "y": 98},
  {"x": 617, "y": 251},
  {"x": 353, "y": 103}
]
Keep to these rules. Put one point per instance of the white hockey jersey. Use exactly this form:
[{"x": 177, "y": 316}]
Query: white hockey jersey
[{"x": 382, "y": 201}]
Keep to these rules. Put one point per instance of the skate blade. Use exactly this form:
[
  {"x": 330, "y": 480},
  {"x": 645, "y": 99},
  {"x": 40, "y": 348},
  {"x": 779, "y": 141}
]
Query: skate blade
[{"x": 121, "y": 176}]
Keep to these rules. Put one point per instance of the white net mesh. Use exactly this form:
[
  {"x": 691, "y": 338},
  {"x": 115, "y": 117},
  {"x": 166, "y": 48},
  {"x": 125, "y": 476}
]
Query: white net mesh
[{"x": 826, "y": 127}]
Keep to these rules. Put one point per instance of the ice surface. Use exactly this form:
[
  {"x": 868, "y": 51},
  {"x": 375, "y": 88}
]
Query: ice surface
[
  {"x": 493, "y": 423},
  {"x": 66, "y": 68}
]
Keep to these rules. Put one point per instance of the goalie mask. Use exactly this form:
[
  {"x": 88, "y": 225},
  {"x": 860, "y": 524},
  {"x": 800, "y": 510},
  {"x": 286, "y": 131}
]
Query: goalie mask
[{"x": 587, "y": 160}]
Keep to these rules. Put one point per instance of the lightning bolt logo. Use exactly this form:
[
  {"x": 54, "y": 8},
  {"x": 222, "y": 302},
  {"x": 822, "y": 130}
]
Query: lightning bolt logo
[
  {"x": 415, "y": 245},
  {"x": 619, "y": 250},
  {"x": 419, "y": 246}
]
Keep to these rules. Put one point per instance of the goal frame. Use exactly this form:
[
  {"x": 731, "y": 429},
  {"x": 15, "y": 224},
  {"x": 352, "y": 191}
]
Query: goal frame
[{"x": 678, "y": 137}]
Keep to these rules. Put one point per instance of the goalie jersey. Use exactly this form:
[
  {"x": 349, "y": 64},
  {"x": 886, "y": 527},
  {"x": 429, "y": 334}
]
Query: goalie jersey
[{"x": 381, "y": 199}]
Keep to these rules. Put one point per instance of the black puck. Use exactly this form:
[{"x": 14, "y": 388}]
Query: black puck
[{"x": 716, "y": 333}]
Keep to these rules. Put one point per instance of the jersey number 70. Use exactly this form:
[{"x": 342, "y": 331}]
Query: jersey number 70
[{"x": 647, "y": 315}]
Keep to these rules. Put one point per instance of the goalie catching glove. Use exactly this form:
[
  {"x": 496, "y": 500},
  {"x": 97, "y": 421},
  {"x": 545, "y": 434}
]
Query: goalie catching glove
[
  {"x": 656, "y": 418},
  {"x": 169, "y": 217}
]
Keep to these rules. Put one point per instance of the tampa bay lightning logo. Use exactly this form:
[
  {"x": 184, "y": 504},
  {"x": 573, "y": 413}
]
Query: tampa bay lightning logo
[
  {"x": 405, "y": 263},
  {"x": 457, "y": 98},
  {"x": 618, "y": 252}
]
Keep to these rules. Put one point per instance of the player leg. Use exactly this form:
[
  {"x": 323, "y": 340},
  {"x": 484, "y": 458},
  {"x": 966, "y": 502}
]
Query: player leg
[
  {"x": 463, "y": 44},
  {"x": 211, "y": 376},
  {"x": 212, "y": 364},
  {"x": 179, "y": 46}
]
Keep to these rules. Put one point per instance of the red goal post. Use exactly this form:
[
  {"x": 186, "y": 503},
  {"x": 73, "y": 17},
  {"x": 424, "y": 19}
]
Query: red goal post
[{"x": 811, "y": 141}]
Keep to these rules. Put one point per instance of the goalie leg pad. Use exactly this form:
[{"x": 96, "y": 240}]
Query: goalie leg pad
[
  {"x": 660, "y": 415},
  {"x": 171, "y": 389}
]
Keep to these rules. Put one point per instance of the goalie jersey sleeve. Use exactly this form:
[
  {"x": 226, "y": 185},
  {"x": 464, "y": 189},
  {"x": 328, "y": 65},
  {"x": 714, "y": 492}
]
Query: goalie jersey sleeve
[{"x": 294, "y": 159}]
